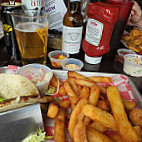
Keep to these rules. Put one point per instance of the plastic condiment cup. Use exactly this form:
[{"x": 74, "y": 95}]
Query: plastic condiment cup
[
  {"x": 133, "y": 65},
  {"x": 121, "y": 52},
  {"x": 41, "y": 73},
  {"x": 57, "y": 62},
  {"x": 72, "y": 61}
]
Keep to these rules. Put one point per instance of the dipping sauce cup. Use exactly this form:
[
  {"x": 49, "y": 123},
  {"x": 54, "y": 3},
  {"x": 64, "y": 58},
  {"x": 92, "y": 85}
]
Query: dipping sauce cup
[
  {"x": 72, "y": 64},
  {"x": 122, "y": 52}
]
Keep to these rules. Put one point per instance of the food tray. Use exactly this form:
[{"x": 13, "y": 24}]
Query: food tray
[
  {"x": 136, "y": 48},
  {"x": 123, "y": 82},
  {"x": 126, "y": 87}
]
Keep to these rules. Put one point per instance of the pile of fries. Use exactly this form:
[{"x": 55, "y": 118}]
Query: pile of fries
[
  {"x": 96, "y": 109},
  {"x": 134, "y": 40}
]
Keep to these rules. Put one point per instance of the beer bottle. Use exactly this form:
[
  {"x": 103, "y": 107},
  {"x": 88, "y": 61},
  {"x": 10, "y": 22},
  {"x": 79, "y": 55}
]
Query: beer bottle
[
  {"x": 8, "y": 28},
  {"x": 72, "y": 28}
]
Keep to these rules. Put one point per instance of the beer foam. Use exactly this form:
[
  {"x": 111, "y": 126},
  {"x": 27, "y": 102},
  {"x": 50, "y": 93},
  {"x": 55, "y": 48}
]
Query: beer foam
[{"x": 29, "y": 26}]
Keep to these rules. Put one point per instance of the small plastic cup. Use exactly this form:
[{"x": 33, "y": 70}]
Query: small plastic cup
[
  {"x": 133, "y": 65},
  {"x": 72, "y": 64},
  {"x": 121, "y": 52},
  {"x": 39, "y": 74},
  {"x": 57, "y": 62}
]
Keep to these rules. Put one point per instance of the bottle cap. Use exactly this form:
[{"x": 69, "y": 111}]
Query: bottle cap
[{"x": 93, "y": 60}]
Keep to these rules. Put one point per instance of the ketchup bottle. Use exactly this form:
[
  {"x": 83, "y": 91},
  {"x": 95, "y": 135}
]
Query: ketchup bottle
[
  {"x": 125, "y": 7},
  {"x": 100, "y": 23}
]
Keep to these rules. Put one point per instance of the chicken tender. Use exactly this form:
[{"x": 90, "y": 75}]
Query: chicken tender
[
  {"x": 134, "y": 48},
  {"x": 126, "y": 38},
  {"x": 135, "y": 117},
  {"x": 136, "y": 41},
  {"x": 134, "y": 33}
]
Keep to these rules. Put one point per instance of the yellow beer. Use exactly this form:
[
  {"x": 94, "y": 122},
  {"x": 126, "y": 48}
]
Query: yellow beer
[{"x": 32, "y": 42}]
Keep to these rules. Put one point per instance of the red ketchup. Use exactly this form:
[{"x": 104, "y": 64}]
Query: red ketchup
[{"x": 100, "y": 23}]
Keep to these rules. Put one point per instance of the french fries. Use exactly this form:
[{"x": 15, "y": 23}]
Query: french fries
[
  {"x": 95, "y": 136},
  {"x": 78, "y": 76},
  {"x": 129, "y": 105},
  {"x": 125, "y": 129},
  {"x": 54, "y": 82},
  {"x": 79, "y": 87},
  {"x": 77, "y": 111},
  {"x": 87, "y": 121},
  {"x": 64, "y": 104},
  {"x": 101, "y": 116},
  {"x": 103, "y": 90},
  {"x": 73, "y": 101},
  {"x": 62, "y": 91},
  {"x": 73, "y": 85},
  {"x": 99, "y": 127},
  {"x": 68, "y": 89},
  {"x": 84, "y": 82},
  {"x": 101, "y": 79},
  {"x": 115, "y": 138},
  {"x": 59, "y": 126},
  {"x": 85, "y": 92},
  {"x": 95, "y": 109},
  {"x": 138, "y": 131},
  {"x": 52, "y": 110},
  {"x": 94, "y": 95},
  {"x": 79, "y": 134},
  {"x": 103, "y": 105}
]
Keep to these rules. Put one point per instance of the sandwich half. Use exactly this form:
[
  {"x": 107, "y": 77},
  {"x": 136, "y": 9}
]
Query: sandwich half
[{"x": 17, "y": 91}]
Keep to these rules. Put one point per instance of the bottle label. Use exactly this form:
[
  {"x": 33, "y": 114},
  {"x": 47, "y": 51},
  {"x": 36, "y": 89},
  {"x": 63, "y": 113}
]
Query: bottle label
[
  {"x": 71, "y": 39},
  {"x": 94, "y": 31}
]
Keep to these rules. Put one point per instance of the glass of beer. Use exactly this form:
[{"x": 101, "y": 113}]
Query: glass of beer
[{"x": 31, "y": 34}]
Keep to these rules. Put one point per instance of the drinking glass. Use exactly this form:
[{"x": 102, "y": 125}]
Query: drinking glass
[
  {"x": 125, "y": 7},
  {"x": 31, "y": 34}
]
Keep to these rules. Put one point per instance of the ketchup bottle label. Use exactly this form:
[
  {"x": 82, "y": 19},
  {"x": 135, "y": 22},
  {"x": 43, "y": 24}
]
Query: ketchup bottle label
[{"x": 94, "y": 31}]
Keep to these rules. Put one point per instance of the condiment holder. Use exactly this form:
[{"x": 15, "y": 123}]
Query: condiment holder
[
  {"x": 72, "y": 64},
  {"x": 56, "y": 57},
  {"x": 122, "y": 52}
]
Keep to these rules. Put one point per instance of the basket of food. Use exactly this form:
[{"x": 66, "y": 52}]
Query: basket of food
[
  {"x": 133, "y": 40},
  {"x": 91, "y": 106}
]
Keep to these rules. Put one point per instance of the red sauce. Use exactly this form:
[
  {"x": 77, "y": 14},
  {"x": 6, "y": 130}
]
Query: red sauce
[{"x": 124, "y": 53}]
